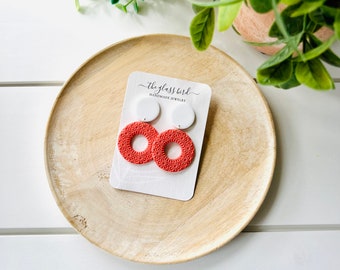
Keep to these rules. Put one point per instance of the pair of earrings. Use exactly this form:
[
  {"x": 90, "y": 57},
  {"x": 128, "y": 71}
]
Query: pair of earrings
[{"x": 148, "y": 110}]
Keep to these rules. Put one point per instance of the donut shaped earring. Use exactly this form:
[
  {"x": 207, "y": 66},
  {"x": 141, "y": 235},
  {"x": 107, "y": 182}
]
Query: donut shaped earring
[
  {"x": 147, "y": 110},
  {"x": 125, "y": 142},
  {"x": 182, "y": 117},
  {"x": 173, "y": 136}
]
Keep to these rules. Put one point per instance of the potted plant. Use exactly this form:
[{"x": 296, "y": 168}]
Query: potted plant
[
  {"x": 299, "y": 59},
  {"x": 301, "y": 54}
]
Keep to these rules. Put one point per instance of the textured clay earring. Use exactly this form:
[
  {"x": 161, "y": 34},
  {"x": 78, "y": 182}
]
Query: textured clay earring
[
  {"x": 147, "y": 110},
  {"x": 182, "y": 117}
]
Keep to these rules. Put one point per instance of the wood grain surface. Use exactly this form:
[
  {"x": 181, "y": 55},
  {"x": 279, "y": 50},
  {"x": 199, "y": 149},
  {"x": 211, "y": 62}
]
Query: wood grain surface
[{"x": 236, "y": 165}]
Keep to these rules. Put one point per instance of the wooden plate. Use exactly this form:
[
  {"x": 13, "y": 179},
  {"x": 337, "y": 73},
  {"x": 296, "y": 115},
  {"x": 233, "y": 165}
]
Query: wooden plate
[{"x": 236, "y": 165}]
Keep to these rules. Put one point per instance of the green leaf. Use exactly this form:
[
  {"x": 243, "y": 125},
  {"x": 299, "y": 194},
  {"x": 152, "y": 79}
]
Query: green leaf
[
  {"x": 311, "y": 26},
  {"x": 291, "y": 83},
  {"x": 76, "y": 2},
  {"x": 213, "y": 3},
  {"x": 263, "y": 44},
  {"x": 277, "y": 58},
  {"x": 227, "y": 15},
  {"x": 196, "y": 8},
  {"x": 135, "y": 6},
  {"x": 261, "y": 6},
  {"x": 307, "y": 7},
  {"x": 79, "y": 8},
  {"x": 328, "y": 56},
  {"x": 114, "y": 2},
  {"x": 317, "y": 51},
  {"x": 291, "y": 42},
  {"x": 282, "y": 54},
  {"x": 337, "y": 24},
  {"x": 290, "y": 2},
  {"x": 293, "y": 26},
  {"x": 121, "y": 7},
  {"x": 314, "y": 75},
  {"x": 324, "y": 16},
  {"x": 275, "y": 75},
  {"x": 281, "y": 25},
  {"x": 202, "y": 28}
]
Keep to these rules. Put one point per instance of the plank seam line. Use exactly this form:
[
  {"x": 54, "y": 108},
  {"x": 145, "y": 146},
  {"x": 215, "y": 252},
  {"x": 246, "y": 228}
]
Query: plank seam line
[
  {"x": 31, "y": 84},
  {"x": 36, "y": 231},
  {"x": 248, "y": 229},
  {"x": 292, "y": 228}
]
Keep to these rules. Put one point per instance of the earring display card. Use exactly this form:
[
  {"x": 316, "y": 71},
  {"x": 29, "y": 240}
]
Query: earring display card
[{"x": 169, "y": 94}]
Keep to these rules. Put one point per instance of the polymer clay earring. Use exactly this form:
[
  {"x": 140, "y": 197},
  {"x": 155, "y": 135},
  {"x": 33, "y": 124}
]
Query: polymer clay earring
[
  {"x": 173, "y": 136},
  {"x": 147, "y": 110},
  {"x": 126, "y": 137},
  {"x": 182, "y": 117}
]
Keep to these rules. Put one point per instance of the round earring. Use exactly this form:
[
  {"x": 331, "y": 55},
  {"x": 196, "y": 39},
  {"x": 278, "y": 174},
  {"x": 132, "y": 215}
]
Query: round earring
[
  {"x": 161, "y": 158},
  {"x": 147, "y": 109},
  {"x": 182, "y": 116},
  {"x": 125, "y": 142}
]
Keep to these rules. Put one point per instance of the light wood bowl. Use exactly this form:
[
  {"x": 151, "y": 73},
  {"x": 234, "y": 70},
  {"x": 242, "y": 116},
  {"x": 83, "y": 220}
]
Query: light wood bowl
[{"x": 236, "y": 164}]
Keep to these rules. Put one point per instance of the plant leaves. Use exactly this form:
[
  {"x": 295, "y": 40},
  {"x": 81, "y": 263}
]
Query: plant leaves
[
  {"x": 135, "y": 6},
  {"x": 291, "y": 83},
  {"x": 282, "y": 54},
  {"x": 78, "y": 7},
  {"x": 121, "y": 7},
  {"x": 114, "y": 2},
  {"x": 307, "y": 7},
  {"x": 317, "y": 51},
  {"x": 277, "y": 58},
  {"x": 282, "y": 27},
  {"x": 196, "y": 8},
  {"x": 314, "y": 75},
  {"x": 212, "y": 3},
  {"x": 328, "y": 56},
  {"x": 311, "y": 26},
  {"x": 290, "y": 2},
  {"x": 337, "y": 24},
  {"x": 227, "y": 15},
  {"x": 202, "y": 28},
  {"x": 292, "y": 25},
  {"x": 263, "y": 44},
  {"x": 261, "y": 6},
  {"x": 324, "y": 16},
  {"x": 275, "y": 75}
]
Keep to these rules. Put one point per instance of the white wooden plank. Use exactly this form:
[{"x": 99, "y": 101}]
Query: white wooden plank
[
  {"x": 307, "y": 178},
  {"x": 42, "y": 42},
  {"x": 312, "y": 250},
  {"x": 25, "y": 199}
]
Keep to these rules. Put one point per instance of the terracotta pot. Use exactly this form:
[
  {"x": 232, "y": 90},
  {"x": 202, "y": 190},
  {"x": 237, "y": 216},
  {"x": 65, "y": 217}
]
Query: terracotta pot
[{"x": 254, "y": 27}]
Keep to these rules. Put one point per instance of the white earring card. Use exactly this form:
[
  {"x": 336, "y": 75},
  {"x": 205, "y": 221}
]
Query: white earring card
[{"x": 170, "y": 94}]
